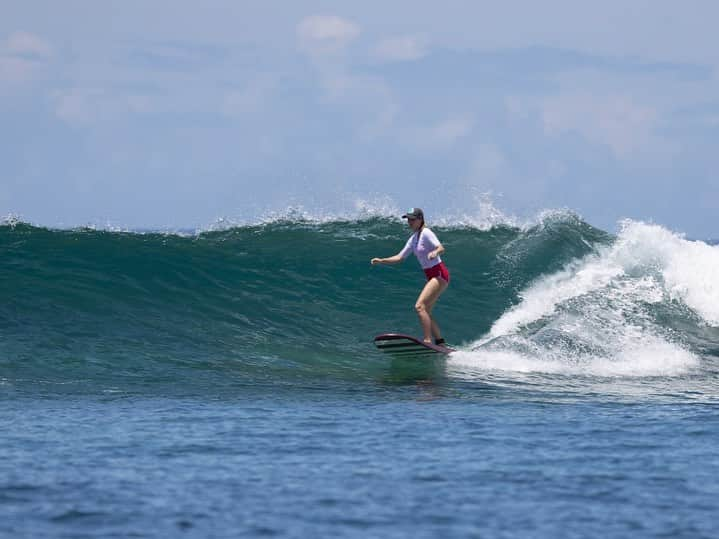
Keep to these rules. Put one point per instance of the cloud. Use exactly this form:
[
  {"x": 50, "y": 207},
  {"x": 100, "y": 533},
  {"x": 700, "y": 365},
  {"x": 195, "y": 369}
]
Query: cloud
[
  {"x": 176, "y": 56},
  {"x": 82, "y": 106},
  {"x": 22, "y": 55},
  {"x": 490, "y": 169},
  {"x": 439, "y": 136},
  {"x": 251, "y": 98},
  {"x": 615, "y": 120},
  {"x": 400, "y": 49},
  {"x": 78, "y": 105},
  {"x": 326, "y": 34},
  {"x": 15, "y": 70},
  {"x": 488, "y": 162},
  {"x": 450, "y": 130},
  {"x": 28, "y": 45},
  {"x": 367, "y": 100}
]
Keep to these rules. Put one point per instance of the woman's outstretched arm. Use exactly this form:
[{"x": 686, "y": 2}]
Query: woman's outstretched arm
[{"x": 396, "y": 259}]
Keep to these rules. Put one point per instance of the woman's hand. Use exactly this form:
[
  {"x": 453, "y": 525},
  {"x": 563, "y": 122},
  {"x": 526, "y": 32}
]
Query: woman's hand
[
  {"x": 375, "y": 261},
  {"x": 434, "y": 254}
]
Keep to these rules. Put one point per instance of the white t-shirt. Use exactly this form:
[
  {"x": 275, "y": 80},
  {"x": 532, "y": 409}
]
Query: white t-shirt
[{"x": 421, "y": 245}]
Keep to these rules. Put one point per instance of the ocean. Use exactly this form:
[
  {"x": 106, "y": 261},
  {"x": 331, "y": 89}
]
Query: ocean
[{"x": 224, "y": 383}]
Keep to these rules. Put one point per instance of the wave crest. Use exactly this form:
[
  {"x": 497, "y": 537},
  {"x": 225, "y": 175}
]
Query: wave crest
[{"x": 632, "y": 307}]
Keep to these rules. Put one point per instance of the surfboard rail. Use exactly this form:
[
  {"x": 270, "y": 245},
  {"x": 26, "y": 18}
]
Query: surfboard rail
[{"x": 399, "y": 344}]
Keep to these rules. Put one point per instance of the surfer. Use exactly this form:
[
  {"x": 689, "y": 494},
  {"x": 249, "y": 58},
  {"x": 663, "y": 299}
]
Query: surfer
[{"x": 427, "y": 248}]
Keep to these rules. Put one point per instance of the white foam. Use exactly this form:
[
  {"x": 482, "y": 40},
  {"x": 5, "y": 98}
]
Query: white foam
[
  {"x": 598, "y": 306},
  {"x": 659, "y": 261},
  {"x": 377, "y": 206},
  {"x": 690, "y": 269},
  {"x": 11, "y": 220},
  {"x": 485, "y": 216},
  {"x": 542, "y": 299},
  {"x": 482, "y": 214},
  {"x": 650, "y": 356}
]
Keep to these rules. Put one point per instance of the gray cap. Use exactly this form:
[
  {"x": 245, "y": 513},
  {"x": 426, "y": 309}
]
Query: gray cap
[{"x": 414, "y": 213}]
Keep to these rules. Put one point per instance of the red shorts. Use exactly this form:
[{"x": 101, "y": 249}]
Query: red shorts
[{"x": 440, "y": 271}]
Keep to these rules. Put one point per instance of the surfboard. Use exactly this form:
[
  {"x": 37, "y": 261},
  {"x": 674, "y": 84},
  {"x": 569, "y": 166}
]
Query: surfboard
[{"x": 399, "y": 345}]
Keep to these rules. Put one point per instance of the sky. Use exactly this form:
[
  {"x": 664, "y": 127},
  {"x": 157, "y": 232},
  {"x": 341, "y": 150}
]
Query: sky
[{"x": 179, "y": 113}]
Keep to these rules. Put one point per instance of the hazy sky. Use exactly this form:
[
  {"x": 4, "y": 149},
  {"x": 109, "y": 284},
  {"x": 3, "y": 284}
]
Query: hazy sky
[{"x": 176, "y": 113}]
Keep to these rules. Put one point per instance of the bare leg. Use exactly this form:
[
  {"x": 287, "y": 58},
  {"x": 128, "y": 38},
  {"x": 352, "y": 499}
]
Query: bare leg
[
  {"x": 436, "y": 333},
  {"x": 426, "y": 300}
]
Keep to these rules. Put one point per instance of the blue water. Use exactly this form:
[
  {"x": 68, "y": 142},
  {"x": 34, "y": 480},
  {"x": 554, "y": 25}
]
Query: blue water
[
  {"x": 381, "y": 461},
  {"x": 156, "y": 385}
]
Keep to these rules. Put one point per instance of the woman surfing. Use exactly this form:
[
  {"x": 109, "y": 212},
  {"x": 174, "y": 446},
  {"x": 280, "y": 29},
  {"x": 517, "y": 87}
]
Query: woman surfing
[{"x": 427, "y": 248}]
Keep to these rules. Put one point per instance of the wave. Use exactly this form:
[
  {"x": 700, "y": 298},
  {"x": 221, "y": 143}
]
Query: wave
[
  {"x": 294, "y": 297},
  {"x": 645, "y": 305}
]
